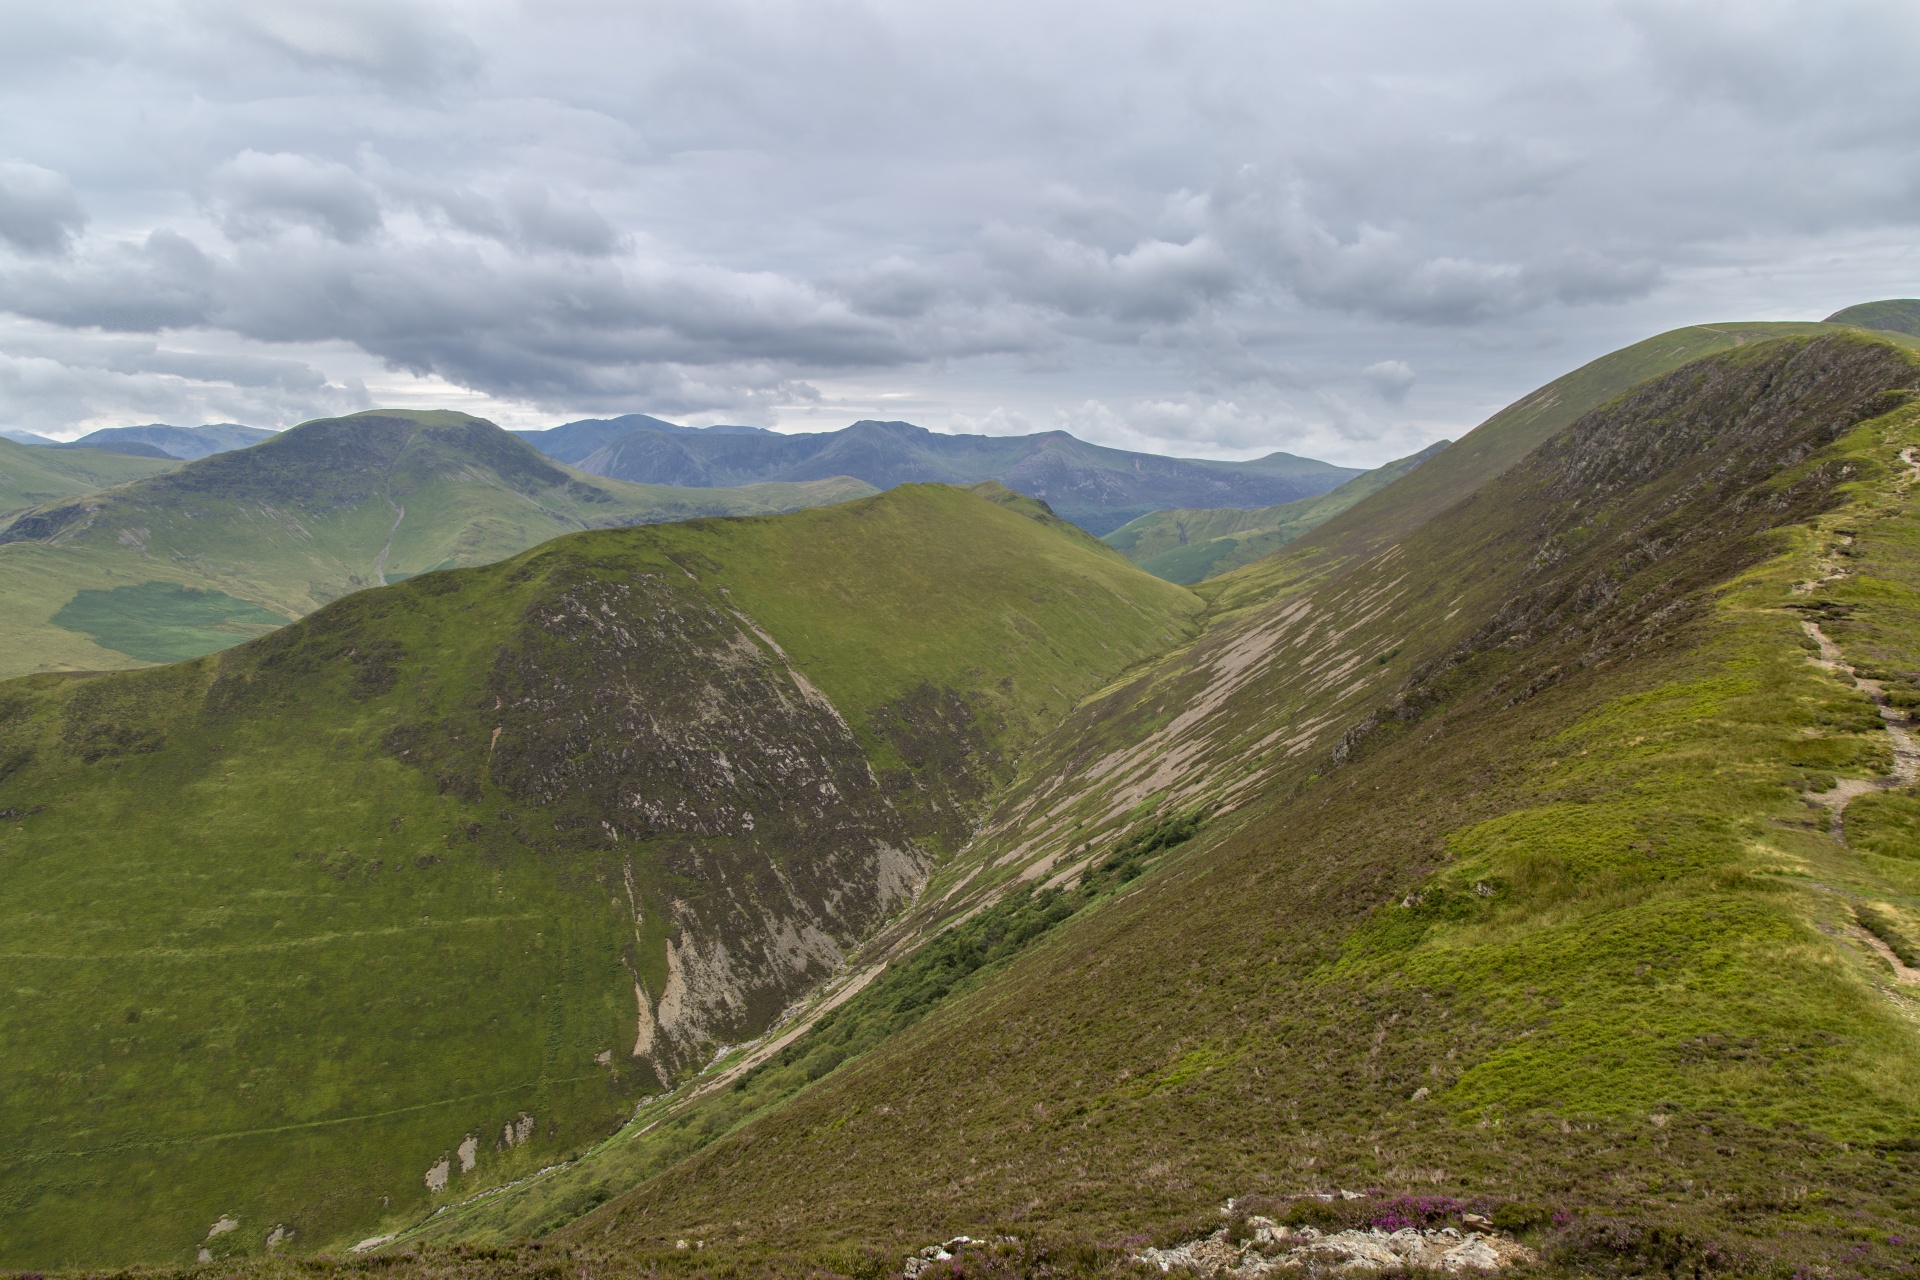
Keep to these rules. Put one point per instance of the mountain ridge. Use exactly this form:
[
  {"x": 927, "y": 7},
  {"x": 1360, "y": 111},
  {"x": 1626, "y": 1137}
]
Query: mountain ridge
[
  {"x": 30, "y": 478},
  {"x": 212, "y": 551},
  {"x": 1532, "y": 844},
  {"x": 1189, "y": 546},
  {"x": 1373, "y": 846},
  {"x": 158, "y": 439},
  {"x": 524, "y": 843},
  {"x": 1095, "y": 487},
  {"x": 986, "y": 1118},
  {"x": 572, "y": 442}
]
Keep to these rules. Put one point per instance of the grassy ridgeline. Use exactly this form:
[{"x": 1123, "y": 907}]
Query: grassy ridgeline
[
  {"x": 287, "y": 925},
  {"x": 30, "y": 475},
  {"x": 1542, "y": 918},
  {"x": 1490, "y": 449},
  {"x": 229, "y": 546}
]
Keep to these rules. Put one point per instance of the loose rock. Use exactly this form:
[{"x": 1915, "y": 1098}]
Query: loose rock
[
  {"x": 1275, "y": 1247},
  {"x": 935, "y": 1253}
]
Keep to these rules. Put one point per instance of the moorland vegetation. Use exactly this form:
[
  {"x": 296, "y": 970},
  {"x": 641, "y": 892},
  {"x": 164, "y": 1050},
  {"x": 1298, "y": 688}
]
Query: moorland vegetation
[{"x": 1534, "y": 839}]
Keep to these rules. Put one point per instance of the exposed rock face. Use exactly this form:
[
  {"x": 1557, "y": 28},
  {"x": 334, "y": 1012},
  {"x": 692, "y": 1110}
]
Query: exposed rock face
[
  {"x": 643, "y": 719},
  {"x": 1641, "y": 506}
]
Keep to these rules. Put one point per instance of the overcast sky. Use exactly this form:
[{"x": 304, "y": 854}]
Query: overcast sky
[{"x": 1211, "y": 228}]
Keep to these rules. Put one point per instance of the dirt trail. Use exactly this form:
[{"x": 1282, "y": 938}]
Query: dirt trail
[
  {"x": 1906, "y": 754},
  {"x": 1901, "y": 973}
]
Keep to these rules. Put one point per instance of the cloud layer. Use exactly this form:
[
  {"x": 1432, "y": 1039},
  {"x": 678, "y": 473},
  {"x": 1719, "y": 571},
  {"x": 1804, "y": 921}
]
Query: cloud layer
[{"x": 1219, "y": 228}]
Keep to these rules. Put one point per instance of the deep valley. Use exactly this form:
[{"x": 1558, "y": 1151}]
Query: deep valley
[{"x": 1514, "y": 854}]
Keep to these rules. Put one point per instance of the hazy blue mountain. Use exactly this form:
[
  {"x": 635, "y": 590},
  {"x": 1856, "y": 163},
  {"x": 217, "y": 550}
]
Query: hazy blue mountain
[
  {"x": 1097, "y": 488},
  {"x": 572, "y": 441},
  {"x": 159, "y": 440},
  {"x": 26, "y": 437}
]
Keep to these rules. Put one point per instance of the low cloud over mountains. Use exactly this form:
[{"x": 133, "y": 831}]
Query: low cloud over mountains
[{"x": 1339, "y": 227}]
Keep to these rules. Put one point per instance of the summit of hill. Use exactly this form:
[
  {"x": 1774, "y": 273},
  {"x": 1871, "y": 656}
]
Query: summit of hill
[
  {"x": 1891, "y": 315},
  {"x": 203, "y": 555}
]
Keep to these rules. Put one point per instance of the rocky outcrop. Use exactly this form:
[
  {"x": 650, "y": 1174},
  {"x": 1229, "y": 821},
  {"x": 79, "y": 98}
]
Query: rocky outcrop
[
  {"x": 641, "y": 720},
  {"x": 1274, "y": 1247}
]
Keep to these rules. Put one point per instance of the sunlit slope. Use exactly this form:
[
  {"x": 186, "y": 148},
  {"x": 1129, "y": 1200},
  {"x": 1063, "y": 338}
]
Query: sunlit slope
[
  {"x": 1513, "y": 890},
  {"x": 1192, "y": 544},
  {"x": 492, "y": 854},
  {"x": 1488, "y": 450},
  {"x": 232, "y": 545},
  {"x": 30, "y": 476}
]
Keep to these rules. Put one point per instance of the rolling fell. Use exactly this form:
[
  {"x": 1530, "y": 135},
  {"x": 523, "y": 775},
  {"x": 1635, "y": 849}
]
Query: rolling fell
[
  {"x": 1493, "y": 877},
  {"x": 238, "y": 542},
  {"x": 435, "y": 885},
  {"x": 1518, "y": 896},
  {"x": 1521, "y": 863},
  {"x": 1095, "y": 487}
]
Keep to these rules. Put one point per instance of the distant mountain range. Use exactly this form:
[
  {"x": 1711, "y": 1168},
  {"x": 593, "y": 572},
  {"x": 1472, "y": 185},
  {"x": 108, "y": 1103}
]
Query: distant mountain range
[
  {"x": 209, "y": 552},
  {"x": 1527, "y": 850},
  {"x": 1191, "y": 545},
  {"x": 156, "y": 440},
  {"x": 1095, "y": 487},
  {"x": 574, "y": 442}
]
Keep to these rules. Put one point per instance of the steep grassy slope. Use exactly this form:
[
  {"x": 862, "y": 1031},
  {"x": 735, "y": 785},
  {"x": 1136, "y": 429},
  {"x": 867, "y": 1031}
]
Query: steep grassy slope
[
  {"x": 1487, "y": 451},
  {"x": 1097, "y": 488},
  {"x": 1190, "y": 545},
  {"x": 234, "y": 544},
  {"x": 1893, "y": 315},
  {"x": 30, "y": 476},
  {"x": 416, "y": 893},
  {"x": 1513, "y": 890}
]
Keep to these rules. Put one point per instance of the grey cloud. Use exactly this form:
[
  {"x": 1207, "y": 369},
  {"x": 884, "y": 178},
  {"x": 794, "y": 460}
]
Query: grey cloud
[
  {"x": 542, "y": 222},
  {"x": 260, "y": 194},
  {"x": 162, "y": 282},
  {"x": 1387, "y": 273},
  {"x": 527, "y": 215},
  {"x": 1390, "y": 379},
  {"x": 39, "y": 212},
  {"x": 1151, "y": 281},
  {"x": 893, "y": 287},
  {"x": 53, "y": 382},
  {"x": 541, "y": 329},
  {"x": 397, "y": 43},
  {"x": 1240, "y": 224}
]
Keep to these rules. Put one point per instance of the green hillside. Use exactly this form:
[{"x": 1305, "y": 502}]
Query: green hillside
[
  {"x": 1489, "y": 449},
  {"x": 1894, "y": 315},
  {"x": 1495, "y": 872},
  {"x": 1187, "y": 546},
  {"x": 232, "y": 545},
  {"x": 30, "y": 476},
  {"x": 1528, "y": 910},
  {"x": 452, "y": 874},
  {"x": 1536, "y": 839}
]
